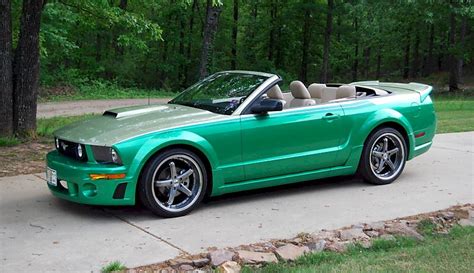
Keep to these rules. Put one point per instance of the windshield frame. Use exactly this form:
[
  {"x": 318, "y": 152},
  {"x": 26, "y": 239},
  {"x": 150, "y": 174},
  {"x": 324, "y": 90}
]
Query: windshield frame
[{"x": 271, "y": 79}]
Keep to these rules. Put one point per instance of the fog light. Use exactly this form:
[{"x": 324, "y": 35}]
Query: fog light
[
  {"x": 89, "y": 190},
  {"x": 95, "y": 176}
]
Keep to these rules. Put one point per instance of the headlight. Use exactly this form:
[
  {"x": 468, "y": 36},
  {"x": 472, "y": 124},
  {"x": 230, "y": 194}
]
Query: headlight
[
  {"x": 79, "y": 151},
  {"x": 106, "y": 155},
  {"x": 56, "y": 141}
]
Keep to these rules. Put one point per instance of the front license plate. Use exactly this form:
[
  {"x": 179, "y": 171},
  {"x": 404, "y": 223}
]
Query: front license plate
[{"x": 51, "y": 176}]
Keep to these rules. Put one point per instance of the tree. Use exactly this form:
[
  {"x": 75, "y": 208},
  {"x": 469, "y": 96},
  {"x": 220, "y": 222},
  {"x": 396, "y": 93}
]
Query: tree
[
  {"x": 453, "y": 62},
  {"x": 235, "y": 27},
  {"x": 6, "y": 73},
  {"x": 327, "y": 41},
  {"x": 26, "y": 69},
  {"x": 213, "y": 11}
]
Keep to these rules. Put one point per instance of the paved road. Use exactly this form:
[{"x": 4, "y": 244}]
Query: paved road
[
  {"x": 80, "y": 107},
  {"x": 41, "y": 233}
]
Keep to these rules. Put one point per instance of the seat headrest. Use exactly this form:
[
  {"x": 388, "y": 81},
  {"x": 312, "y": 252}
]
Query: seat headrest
[
  {"x": 346, "y": 91},
  {"x": 316, "y": 90},
  {"x": 299, "y": 91},
  {"x": 275, "y": 93}
]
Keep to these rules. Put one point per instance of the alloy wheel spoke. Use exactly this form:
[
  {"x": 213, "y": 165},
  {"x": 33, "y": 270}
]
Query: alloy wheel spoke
[
  {"x": 173, "y": 170},
  {"x": 161, "y": 183},
  {"x": 390, "y": 164},
  {"x": 186, "y": 174},
  {"x": 172, "y": 194},
  {"x": 381, "y": 166},
  {"x": 385, "y": 144},
  {"x": 393, "y": 151},
  {"x": 182, "y": 188},
  {"x": 377, "y": 154}
]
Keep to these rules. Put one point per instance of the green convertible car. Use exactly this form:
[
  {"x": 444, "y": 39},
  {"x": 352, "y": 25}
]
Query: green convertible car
[{"x": 235, "y": 131}]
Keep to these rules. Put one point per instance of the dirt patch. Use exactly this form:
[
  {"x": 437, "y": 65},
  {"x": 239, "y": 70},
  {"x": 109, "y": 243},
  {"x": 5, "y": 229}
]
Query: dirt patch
[
  {"x": 25, "y": 158},
  {"x": 60, "y": 90}
]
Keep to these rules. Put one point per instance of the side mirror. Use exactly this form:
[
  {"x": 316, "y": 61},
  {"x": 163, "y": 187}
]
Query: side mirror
[{"x": 267, "y": 105}]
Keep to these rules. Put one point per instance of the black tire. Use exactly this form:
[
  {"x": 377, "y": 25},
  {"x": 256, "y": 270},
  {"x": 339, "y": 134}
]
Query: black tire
[
  {"x": 379, "y": 148},
  {"x": 190, "y": 178}
]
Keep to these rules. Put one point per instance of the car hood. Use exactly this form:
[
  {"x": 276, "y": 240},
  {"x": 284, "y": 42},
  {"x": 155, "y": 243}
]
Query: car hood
[{"x": 119, "y": 124}]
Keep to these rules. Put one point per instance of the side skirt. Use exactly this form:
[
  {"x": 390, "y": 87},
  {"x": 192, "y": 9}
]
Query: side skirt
[{"x": 284, "y": 179}]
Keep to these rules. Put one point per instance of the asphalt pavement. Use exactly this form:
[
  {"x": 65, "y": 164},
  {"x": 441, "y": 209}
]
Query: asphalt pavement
[{"x": 41, "y": 233}]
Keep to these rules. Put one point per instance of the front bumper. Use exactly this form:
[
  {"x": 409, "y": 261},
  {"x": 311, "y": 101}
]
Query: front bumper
[{"x": 82, "y": 189}]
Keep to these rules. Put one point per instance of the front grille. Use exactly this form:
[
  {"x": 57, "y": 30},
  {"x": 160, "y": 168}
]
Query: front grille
[{"x": 69, "y": 149}]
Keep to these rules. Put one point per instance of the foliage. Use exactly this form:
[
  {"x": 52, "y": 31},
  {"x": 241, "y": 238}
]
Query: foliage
[
  {"x": 8, "y": 141},
  {"x": 437, "y": 253},
  {"x": 157, "y": 44},
  {"x": 99, "y": 89},
  {"x": 113, "y": 266}
]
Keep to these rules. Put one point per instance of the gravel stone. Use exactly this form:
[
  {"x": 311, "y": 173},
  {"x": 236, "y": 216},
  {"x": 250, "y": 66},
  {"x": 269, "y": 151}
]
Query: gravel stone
[
  {"x": 220, "y": 256},
  {"x": 317, "y": 246},
  {"x": 229, "y": 267},
  {"x": 251, "y": 257},
  {"x": 352, "y": 234},
  {"x": 290, "y": 252}
]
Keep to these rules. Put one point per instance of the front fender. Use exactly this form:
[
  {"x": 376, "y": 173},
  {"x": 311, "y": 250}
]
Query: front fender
[{"x": 166, "y": 139}]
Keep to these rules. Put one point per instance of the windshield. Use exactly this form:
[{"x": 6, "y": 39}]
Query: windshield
[{"x": 220, "y": 93}]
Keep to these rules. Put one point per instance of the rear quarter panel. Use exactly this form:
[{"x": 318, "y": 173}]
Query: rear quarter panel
[{"x": 405, "y": 109}]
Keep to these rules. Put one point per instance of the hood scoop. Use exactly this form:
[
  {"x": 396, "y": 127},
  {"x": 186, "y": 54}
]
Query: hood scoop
[{"x": 116, "y": 113}]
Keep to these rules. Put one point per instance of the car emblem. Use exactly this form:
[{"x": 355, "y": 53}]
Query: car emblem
[{"x": 64, "y": 146}]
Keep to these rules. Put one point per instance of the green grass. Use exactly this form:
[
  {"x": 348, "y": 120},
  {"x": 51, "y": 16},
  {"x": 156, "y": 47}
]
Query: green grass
[
  {"x": 437, "y": 253},
  {"x": 113, "y": 266},
  {"x": 9, "y": 141},
  {"x": 101, "y": 90},
  {"x": 455, "y": 113},
  {"x": 46, "y": 126}
]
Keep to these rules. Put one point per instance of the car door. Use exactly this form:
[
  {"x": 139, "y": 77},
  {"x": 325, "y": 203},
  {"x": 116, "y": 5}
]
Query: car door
[{"x": 291, "y": 141}]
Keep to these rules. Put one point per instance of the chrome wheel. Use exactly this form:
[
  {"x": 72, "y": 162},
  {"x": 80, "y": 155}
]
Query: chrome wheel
[
  {"x": 177, "y": 183},
  {"x": 387, "y": 156}
]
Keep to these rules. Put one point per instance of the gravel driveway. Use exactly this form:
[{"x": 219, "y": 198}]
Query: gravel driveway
[{"x": 39, "y": 232}]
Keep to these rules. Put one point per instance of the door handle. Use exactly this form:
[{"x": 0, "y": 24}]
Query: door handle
[{"x": 331, "y": 116}]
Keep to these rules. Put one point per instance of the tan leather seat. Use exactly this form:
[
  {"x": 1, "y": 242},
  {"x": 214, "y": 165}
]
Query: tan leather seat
[
  {"x": 301, "y": 95},
  {"x": 329, "y": 93},
  {"x": 316, "y": 91},
  {"x": 275, "y": 93},
  {"x": 346, "y": 91}
]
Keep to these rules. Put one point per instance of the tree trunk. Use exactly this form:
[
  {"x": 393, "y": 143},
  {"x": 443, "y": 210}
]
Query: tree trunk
[
  {"x": 416, "y": 57},
  {"x": 271, "y": 41},
  {"x": 26, "y": 69},
  {"x": 367, "y": 52},
  {"x": 190, "y": 42},
  {"x": 406, "y": 64},
  {"x": 430, "y": 59},
  {"x": 327, "y": 40},
  {"x": 305, "y": 45},
  {"x": 379, "y": 62},
  {"x": 462, "y": 38},
  {"x": 6, "y": 73},
  {"x": 212, "y": 20},
  {"x": 453, "y": 66},
  {"x": 235, "y": 29},
  {"x": 355, "y": 65}
]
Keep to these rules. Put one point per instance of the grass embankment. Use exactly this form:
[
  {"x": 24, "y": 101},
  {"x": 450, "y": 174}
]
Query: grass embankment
[
  {"x": 455, "y": 113},
  {"x": 437, "y": 253}
]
